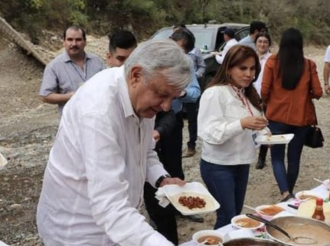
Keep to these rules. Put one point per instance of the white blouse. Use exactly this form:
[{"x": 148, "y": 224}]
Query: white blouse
[{"x": 225, "y": 142}]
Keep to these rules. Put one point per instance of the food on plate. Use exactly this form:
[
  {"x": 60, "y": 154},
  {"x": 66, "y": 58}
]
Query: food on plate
[
  {"x": 271, "y": 210},
  {"x": 247, "y": 223},
  {"x": 275, "y": 138},
  {"x": 208, "y": 206},
  {"x": 210, "y": 240},
  {"x": 307, "y": 196},
  {"x": 192, "y": 202}
]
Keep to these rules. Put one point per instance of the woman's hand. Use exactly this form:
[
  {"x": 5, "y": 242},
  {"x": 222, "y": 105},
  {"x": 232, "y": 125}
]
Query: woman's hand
[{"x": 254, "y": 123}]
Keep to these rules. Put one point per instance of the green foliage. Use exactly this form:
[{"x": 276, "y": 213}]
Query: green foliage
[{"x": 146, "y": 16}]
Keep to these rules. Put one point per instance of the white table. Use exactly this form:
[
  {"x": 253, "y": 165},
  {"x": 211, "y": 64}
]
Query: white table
[
  {"x": 320, "y": 190},
  {"x": 3, "y": 244}
]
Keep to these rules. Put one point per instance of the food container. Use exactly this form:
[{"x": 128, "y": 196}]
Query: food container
[
  {"x": 268, "y": 211},
  {"x": 251, "y": 241},
  {"x": 244, "y": 222},
  {"x": 215, "y": 236},
  {"x": 306, "y": 195}
]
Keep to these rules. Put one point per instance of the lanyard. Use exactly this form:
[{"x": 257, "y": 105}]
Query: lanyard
[
  {"x": 84, "y": 71},
  {"x": 244, "y": 100}
]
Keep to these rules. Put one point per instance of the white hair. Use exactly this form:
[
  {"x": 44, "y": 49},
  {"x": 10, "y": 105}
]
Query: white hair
[{"x": 162, "y": 56}]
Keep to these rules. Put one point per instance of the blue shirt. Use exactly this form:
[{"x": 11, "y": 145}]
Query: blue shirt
[{"x": 193, "y": 92}]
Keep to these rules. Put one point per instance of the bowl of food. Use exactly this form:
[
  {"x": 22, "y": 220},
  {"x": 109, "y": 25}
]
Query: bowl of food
[
  {"x": 306, "y": 195},
  {"x": 208, "y": 237},
  {"x": 244, "y": 222},
  {"x": 268, "y": 211}
]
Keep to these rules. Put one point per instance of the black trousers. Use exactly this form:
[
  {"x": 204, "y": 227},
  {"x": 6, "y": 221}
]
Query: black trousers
[
  {"x": 192, "y": 123},
  {"x": 169, "y": 150}
]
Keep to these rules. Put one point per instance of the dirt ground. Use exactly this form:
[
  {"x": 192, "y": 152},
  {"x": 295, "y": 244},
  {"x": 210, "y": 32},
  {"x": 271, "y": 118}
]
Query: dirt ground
[{"x": 28, "y": 127}]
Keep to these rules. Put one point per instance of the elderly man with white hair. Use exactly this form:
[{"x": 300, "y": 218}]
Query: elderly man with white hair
[{"x": 103, "y": 152}]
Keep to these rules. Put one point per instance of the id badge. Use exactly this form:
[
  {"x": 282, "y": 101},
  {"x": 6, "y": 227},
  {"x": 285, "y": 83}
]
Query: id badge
[{"x": 254, "y": 136}]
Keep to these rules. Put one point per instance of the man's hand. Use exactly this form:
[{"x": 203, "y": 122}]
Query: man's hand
[
  {"x": 177, "y": 181},
  {"x": 156, "y": 135},
  {"x": 254, "y": 123}
]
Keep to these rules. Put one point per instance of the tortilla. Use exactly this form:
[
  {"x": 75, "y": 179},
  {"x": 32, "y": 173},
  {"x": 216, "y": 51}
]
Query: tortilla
[{"x": 209, "y": 204}]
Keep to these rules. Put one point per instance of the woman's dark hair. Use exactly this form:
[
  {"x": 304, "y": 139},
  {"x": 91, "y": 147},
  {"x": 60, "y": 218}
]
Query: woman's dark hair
[
  {"x": 266, "y": 35},
  {"x": 236, "y": 56},
  {"x": 290, "y": 58}
]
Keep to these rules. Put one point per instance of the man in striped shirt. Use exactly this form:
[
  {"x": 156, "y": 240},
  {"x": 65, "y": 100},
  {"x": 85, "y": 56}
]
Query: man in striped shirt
[{"x": 68, "y": 71}]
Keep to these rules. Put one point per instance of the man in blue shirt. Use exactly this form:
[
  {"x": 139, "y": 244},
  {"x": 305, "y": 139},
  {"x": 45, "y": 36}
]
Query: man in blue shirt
[{"x": 255, "y": 28}]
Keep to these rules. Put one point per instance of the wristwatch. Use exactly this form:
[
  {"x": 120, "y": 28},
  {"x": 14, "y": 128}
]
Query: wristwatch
[{"x": 160, "y": 179}]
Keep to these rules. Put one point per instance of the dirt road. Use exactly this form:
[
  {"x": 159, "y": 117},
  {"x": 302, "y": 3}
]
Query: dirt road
[{"x": 28, "y": 127}]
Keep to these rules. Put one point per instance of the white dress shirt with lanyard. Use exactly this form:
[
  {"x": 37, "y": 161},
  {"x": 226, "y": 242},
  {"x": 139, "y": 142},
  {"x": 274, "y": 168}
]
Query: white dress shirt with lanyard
[{"x": 225, "y": 142}]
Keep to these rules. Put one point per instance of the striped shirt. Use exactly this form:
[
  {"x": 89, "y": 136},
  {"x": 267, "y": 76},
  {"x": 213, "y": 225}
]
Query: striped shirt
[{"x": 62, "y": 75}]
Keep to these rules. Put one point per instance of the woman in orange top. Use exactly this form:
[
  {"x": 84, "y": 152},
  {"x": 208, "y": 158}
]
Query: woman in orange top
[{"x": 289, "y": 83}]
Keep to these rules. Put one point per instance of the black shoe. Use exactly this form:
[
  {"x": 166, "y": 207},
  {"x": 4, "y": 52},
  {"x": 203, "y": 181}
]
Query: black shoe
[
  {"x": 261, "y": 163},
  {"x": 287, "y": 198}
]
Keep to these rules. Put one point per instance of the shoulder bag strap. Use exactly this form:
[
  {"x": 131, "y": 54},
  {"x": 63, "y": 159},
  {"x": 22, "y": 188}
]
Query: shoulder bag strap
[{"x": 310, "y": 88}]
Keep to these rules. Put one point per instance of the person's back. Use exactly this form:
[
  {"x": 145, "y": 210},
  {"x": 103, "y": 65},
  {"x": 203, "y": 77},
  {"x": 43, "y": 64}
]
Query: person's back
[
  {"x": 68, "y": 71},
  {"x": 289, "y": 84}
]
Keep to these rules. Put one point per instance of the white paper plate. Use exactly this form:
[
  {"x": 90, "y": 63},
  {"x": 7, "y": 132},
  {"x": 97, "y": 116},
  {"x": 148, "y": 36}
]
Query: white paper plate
[
  {"x": 3, "y": 161},
  {"x": 274, "y": 139},
  {"x": 172, "y": 193}
]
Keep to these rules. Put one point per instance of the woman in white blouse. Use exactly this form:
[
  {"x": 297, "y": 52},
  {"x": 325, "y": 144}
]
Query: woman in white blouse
[
  {"x": 263, "y": 43},
  {"x": 230, "y": 113}
]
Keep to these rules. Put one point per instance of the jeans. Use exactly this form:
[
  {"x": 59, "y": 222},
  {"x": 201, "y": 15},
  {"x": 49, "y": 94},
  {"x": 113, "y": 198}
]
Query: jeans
[
  {"x": 227, "y": 184},
  {"x": 192, "y": 124},
  {"x": 286, "y": 179}
]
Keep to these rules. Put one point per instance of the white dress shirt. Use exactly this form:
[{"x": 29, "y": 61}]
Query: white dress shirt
[
  {"x": 93, "y": 183},
  {"x": 225, "y": 142},
  {"x": 230, "y": 43}
]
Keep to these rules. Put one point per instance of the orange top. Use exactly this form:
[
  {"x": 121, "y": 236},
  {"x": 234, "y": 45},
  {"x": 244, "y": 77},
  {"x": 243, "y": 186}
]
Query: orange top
[{"x": 292, "y": 107}]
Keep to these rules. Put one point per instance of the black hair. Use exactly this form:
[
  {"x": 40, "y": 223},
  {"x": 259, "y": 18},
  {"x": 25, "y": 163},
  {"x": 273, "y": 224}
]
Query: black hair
[
  {"x": 121, "y": 39},
  {"x": 266, "y": 35},
  {"x": 76, "y": 28},
  {"x": 179, "y": 25},
  {"x": 290, "y": 58},
  {"x": 257, "y": 26},
  {"x": 187, "y": 37}
]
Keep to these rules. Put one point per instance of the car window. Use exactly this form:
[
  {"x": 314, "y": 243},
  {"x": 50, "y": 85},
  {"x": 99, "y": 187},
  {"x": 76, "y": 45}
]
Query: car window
[
  {"x": 204, "y": 38},
  {"x": 242, "y": 34}
]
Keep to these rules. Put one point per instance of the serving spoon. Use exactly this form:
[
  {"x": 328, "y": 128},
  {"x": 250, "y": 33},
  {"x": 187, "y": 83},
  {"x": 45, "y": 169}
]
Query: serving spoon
[{"x": 301, "y": 240}]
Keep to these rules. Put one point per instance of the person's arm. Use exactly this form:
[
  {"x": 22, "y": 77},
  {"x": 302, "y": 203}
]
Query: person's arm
[
  {"x": 267, "y": 79},
  {"x": 200, "y": 71},
  {"x": 326, "y": 74},
  {"x": 49, "y": 91},
  {"x": 192, "y": 92},
  {"x": 316, "y": 85},
  {"x": 56, "y": 98},
  {"x": 326, "y": 70},
  {"x": 165, "y": 123},
  {"x": 221, "y": 56}
]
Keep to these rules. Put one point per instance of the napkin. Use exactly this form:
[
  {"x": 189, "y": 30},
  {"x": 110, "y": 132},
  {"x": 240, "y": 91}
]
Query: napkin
[{"x": 160, "y": 195}]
